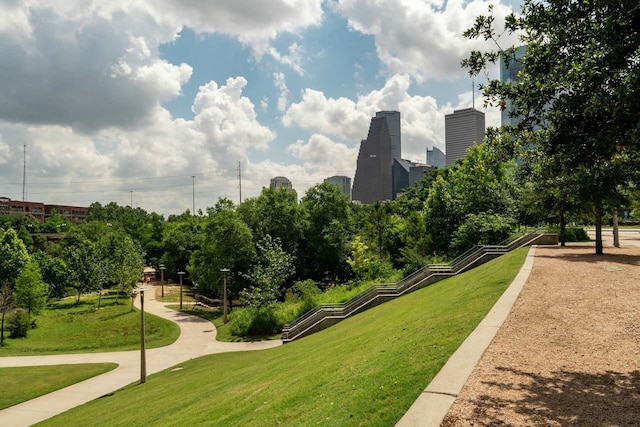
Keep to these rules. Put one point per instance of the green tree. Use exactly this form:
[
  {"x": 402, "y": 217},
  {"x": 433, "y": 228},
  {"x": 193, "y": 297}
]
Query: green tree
[
  {"x": 181, "y": 237},
  {"x": 54, "y": 272},
  {"x": 13, "y": 256},
  {"x": 6, "y": 303},
  {"x": 228, "y": 243},
  {"x": 125, "y": 261},
  {"x": 377, "y": 220},
  {"x": 31, "y": 292},
  {"x": 87, "y": 267},
  {"x": 275, "y": 212},
  {"x": 56, "y": 223},
  {"x": 476, "y": 184},
  {"x": 269, "y": 274},
  {"x": 327, "y": 231},
  {"x": 579, "y": 87},
  {"x": 359, "y": 260}
]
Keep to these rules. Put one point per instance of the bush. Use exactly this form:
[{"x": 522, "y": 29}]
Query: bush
[
  {"x": 306, "y": 288},
  {"x": 572, "y": 234},
  {"x": 18, "y": 324},
  {"x": 480, "y": 229},
  {"x": 252, "y": 321}
]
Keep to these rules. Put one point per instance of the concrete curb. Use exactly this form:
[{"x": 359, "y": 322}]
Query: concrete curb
[{"x": 435, "y": 401}]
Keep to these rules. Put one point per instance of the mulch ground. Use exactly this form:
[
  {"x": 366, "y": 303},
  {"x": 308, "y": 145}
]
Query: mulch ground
[{"x": 569, "y": 352}]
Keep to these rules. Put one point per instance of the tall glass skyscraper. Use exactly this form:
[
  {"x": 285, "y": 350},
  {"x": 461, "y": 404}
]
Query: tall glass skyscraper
[{"x": 373, "y": 180}]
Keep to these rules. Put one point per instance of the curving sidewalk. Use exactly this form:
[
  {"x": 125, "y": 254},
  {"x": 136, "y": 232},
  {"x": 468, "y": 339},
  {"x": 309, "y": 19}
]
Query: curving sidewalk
[{"x": 197, "y": 338}]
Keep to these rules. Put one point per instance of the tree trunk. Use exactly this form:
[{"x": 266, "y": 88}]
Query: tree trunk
[
  {"x": 2, "y": 329},
  {"x": 563, "y": 227},
  {"x": 99, "y": 298},
  {"x": 616, "y": 231},
  {"x": 598, "y": 215}
]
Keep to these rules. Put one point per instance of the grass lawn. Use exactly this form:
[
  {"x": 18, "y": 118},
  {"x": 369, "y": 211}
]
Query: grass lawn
[
  {"x": 172, "y": 293},
  {"x": 365, "y": 371},
  {"x": 67, "y": 327},
  {"x": 26, "y": 383}
]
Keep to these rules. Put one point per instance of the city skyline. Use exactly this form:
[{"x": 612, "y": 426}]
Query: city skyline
[{"x": 165, "y": 105}]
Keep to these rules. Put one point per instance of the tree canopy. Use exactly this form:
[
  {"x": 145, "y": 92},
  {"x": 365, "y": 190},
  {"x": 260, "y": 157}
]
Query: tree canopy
[{"x": 576, "y": 97}]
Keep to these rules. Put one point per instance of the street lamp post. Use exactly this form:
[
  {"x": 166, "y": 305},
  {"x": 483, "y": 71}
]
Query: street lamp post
[
  {"x": 162, "y": 267},
  {"x": 224, "y": 272},
  {"x": 181, "y": 273},
  {"x": 143, "y": 358}
]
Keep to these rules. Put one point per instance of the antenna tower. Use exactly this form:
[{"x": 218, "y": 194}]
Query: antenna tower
[
  {"x": 240, "y": 181},
  {"x": 24, "y": 173}
]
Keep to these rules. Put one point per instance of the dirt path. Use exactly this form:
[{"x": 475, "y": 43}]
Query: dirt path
[{"x": 569, "y": 352}]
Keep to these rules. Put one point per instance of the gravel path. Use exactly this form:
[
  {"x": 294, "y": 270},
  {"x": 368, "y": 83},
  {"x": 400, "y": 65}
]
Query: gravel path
[{"x": 569, "y": 352}]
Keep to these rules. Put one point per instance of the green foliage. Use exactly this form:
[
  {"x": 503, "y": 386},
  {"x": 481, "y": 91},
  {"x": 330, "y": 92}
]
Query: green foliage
[
  {"x": 13, "y": 256},
  {"x": 481, "y": 229},
  {"x": 125, "y": 261},
  {"x": 31, "y": 293},
  {"x": 180, "y": 238},
  {"x": 56, "y": 223},
  {"x": 86, "y": 262},
  {"x": 367, "y": 370},
  {"x": 359, "y": 260},
  {"x": 572, "y": 234},
  {"x": 576, "y": 96},
  {"x": 18, "y": 324},
  {"x": 54, "y": 273},
  {"x": 476, "y": 185},
  {"x": 254, "y": 322},
  {"x": 228, "y": 243},
  {"x": 306, "y": 288},
  {"x": 268, "y": 276},
  {"x": 6, "y": 303},
  {"x": 327, "y": 230},
  {"x": 275, "y": 212}
]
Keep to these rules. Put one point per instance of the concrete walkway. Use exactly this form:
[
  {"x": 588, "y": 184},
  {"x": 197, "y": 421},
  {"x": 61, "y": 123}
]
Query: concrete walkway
[
  {"x": 433, "y": 404},
  {"x": 197, "y": 338}
]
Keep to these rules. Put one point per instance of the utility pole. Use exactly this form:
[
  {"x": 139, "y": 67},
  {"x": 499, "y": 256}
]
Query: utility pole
[
  {"x": 240, "y": 181},
  {"x": 24, "y": 173},
  {"x": 193, "y": 182}
]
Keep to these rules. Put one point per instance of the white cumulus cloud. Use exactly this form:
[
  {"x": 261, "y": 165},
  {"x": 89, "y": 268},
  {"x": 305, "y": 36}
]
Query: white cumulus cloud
[{"x": 420, "y": 37}]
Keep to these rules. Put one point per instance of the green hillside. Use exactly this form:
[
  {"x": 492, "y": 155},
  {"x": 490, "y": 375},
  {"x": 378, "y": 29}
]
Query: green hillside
[{"x": 367, "y": 370}]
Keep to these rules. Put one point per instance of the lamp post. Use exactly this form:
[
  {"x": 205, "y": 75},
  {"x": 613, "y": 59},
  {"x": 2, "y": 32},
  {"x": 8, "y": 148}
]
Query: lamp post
[
  {"x": 143, "y": 359},
  {"x": 181, "y": 273},
  {"x": 162, "y": 267},
  {"x": 224, "y": 272}
]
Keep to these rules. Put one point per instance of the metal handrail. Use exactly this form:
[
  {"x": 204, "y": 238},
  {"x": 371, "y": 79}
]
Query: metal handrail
[{"x": 345, "y": 309}]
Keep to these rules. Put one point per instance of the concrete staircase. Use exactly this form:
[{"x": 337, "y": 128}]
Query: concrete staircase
[{"x": 326, "y": 315}]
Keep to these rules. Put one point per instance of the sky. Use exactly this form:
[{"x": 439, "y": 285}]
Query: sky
[{"x": 170, "y": 104}]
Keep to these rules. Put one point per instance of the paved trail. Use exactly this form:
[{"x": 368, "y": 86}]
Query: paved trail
[{"x": 197, "y": 338}]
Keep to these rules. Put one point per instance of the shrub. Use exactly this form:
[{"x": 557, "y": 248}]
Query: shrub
[
  {"x": 253, "y": 321},
  {"x": 306, "y": 288},
  {"x": 572, "y": 234},
  {"x": 18, "y": 324},
  {"x": 480, "y": 229}
]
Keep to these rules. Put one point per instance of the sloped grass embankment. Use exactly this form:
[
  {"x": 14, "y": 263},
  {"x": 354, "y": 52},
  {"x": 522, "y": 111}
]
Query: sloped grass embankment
[{"x": 367, "y": 370}]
